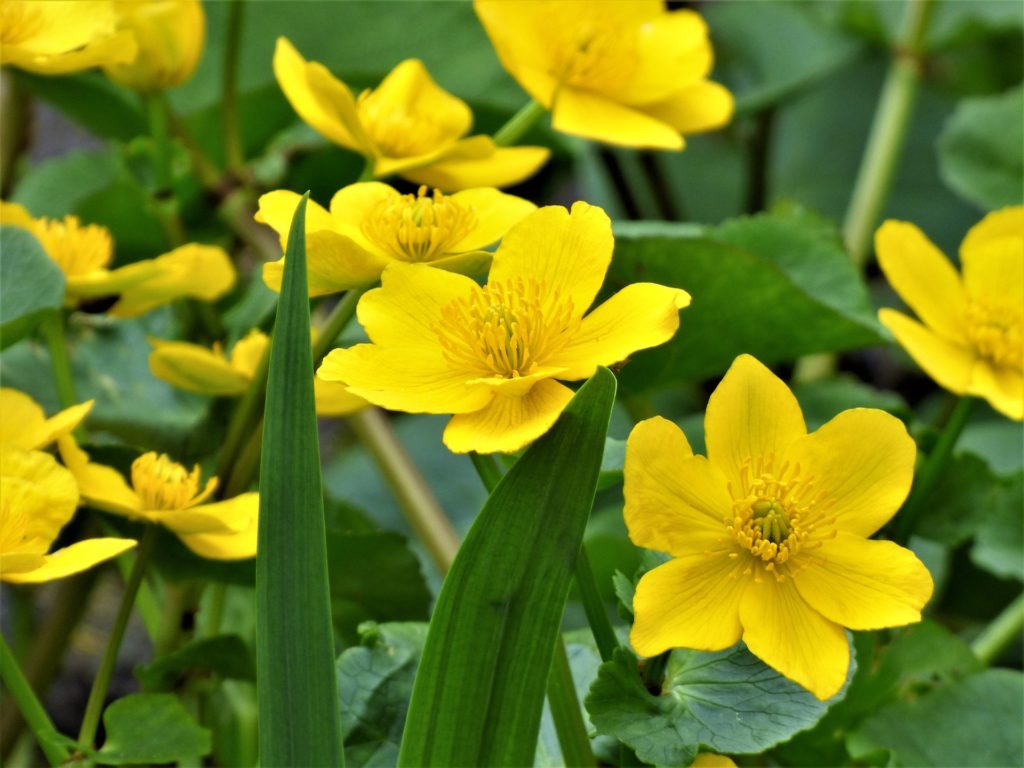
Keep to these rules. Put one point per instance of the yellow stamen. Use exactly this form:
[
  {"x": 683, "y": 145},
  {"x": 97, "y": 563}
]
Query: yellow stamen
[
  {"x": 163, "y": 484},
  {"x": 394, "y": 130},
  {"x": 996, "y": 333},
  {"x": 78, "y": 250},
  {"x": 419, "y": 227}
]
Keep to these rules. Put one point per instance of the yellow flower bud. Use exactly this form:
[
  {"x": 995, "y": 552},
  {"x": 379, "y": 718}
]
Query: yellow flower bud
[{"x": 170, "y": 36}]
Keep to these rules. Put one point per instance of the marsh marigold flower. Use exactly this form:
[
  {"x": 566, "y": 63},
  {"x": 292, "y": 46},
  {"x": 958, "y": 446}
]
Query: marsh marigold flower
[
  {"x": 84, "y": 252},
  {"x": 624, "y": 72},
  {"x": 24, "y": 423},
  {"x": 163, "y": 492},
  {"x": 970, "y": 337},
  {"x": 407, "y": 126},
  {"x": 37, "y": 498},
  {"x": 169, "y": 35},
  {"x": 769, "y": 533},
  {"x": 371, "y": 225},
  {"x": 492, "y": 355},
  {"x": 57, "y": 37}
]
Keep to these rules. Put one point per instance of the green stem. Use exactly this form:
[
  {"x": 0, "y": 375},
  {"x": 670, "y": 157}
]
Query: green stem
[
  {"x": 593, "y": 605},
  {"x": 247, "y": 465},
  {"x": 888, "y": 132},
  {"x": 931, "y": 470},
  {"x": 52, "y": 329},
  {"x": 565, "y": 711},
  {"x": 367, "y": 173},
  {"x": 159, "y": 129},
  {"x": 488, "y": 469},
  {"x": 36, "y": 717},
  {"x": 244, "y": 420},
  {"x": 335, "y": 323},
  {"x": 205, "y": 171},
  {"x": 1003, "y": 630},
  {"x": 512, "y": 131},
  {"x": 232, "y": 142},
  {"x": 98, "y": 693}
]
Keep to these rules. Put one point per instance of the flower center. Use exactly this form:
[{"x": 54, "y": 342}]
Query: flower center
[
  {"x": 599, "y": 55},
  {"x": 996, "y": 333},
  {"x": 78, "y": 250},
  {"x": 396, "y": 131},
  {"x": 19, "y": 22},
  {"x": 164, "y": 484},
  {"x": 419, "y": 227}
]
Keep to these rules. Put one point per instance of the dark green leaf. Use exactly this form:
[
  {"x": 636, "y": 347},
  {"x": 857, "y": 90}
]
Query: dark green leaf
[
  {"x": 227, "y": 656},
  {"x": 298, "y": 697},
  {"x": 997, "y": 441},
  {"x": 57, "y": 186},
  {"x": 31, "y": 284},
  {"x": 824, "y": 399},
  {"x": 93, "y": 101},
  {"x": 150, "y": 729},
  {"x": 959, "y": 502},
  {"x": 611, "y": 463},
  {"x": 999, "y": 541},
  {"x": 480, "y": 688}
]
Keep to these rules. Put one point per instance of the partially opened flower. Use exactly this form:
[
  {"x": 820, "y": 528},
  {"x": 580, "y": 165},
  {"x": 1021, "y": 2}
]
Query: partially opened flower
[
  {"x": 492, "y": 355},
  {"x": 165, "y": 493},
  {"x": 57, "y": 37},
  {"x": 169, "y": 35},
  {"x": 407, "y": 126},
  {"x": 84, "y": 253},
  {"x": 24, "y": 423},
  {"x": 769, "y": 533},
  {"x": 37, "y": 498},
  {"x": 371, "y": 225},
  {"x": 970, "y": 337},
  {"x": 624, "y": 72}
]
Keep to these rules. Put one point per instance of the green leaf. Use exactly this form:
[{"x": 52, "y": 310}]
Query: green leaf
[
  {"x": 298, "y": 697},
  {"x": 227, "y": 656},
  {"x": 999, "y": 541},
  {"x": 824, "y": 399},
  {"x": 959, "y": 502},
  {"x": 995, "y": 440},
  {"x": 31, "y": 284},
  {"x": 150, "y": 729},
  {"x": 93, "y": 101},
  {"x": 727, "y": 701},
  {"x": 981, "y": 157},
  {"x": 480, "y": 688}
]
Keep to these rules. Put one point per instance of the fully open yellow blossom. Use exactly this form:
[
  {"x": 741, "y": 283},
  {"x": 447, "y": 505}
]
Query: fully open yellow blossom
[
  {"x": 24, "y": 423},
  {"x": 407, "y": 126},
  {"x": 211, "y": 372},
  {"x": 971, "y": 335},
  {"x": 624, "y": 72},
  {"x": 492, "y": 355},
  {"x": 57, "y": 37},
  {"x": 170, "y": 36},
  {"x": 769, "y": 533},
  {"x": 37, "y": 498},
  {"x": 371, "y": 225},
  {"x": 166, "y": 493},
  {"x": 84, "y": 252}
]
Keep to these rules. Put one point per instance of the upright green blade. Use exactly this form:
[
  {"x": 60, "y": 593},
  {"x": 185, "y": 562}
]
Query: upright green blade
[
  {"x": 480, "y": 688},
  {"x": 298, "y": 698}
]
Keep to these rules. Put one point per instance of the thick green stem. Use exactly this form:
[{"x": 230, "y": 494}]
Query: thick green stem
[
  {"x": 593, "y": 605},
  {"x": 888, "y": 132},
  {"x": 367, "y": 173},
  {"x": 244, "y": 421},
  {"x": 98, "y": 693},
  {"x": 488, "y": 469},
  {"x": 1003, "y": 630},
  {"x": 512, "y": 131},
  {"x": 30, "y": 707},
  {"x": 52, "y": 329},
  {"x": 232, "y": 141},
  {"x": 565, "y": 711}
]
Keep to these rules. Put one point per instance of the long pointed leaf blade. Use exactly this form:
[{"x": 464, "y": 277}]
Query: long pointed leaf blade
[
  {"x": 298, "y": 699},
  {"x": 480, "y": 687}
]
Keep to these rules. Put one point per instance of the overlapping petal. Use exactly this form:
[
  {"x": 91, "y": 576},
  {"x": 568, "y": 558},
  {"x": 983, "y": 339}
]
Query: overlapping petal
[
  {"x": 194, "y": 271},
  {"x": 196, "y": 368},
  {"x": 25, "y": 425},
  {"x": 240, "y": 542},
  {"x": 950, "y": 363},
  {"x": 72, "y": 559}
]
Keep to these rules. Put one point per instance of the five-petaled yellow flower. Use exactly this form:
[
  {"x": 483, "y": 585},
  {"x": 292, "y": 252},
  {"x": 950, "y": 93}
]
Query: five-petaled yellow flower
[
  {"x": 971, "y": 335},
  {"x": 624, "y": 72},
  {"x": 24, "y": 424},
  {"x": 165, "y": 493},
  {"x": 84, "y": 252},
  {"x": 169, "y": 35},
  {"x": 371, "y": 225},
  {"x": 37, "y": 498},
  {"x": 492, "y": 355},
  {"x": 769, "y": 533},
  {"x": 407, "y": 126}
]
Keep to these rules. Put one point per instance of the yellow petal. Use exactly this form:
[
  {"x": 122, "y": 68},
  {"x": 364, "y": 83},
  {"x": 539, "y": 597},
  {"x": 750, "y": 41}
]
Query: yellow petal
[
  {"x": 1004, "y": 224},
  {"x": 102, "y": 487},
  {"x": 24, "y": 424},
  {"x": 689, "y": 602},
  {"x": 923, "y": 277},
  {"x": 496, "y": 213},
  {"x": 243, "y": 510},
  {"x": 99, "y": 283},
  {"x": 248, "y": 351},
  {"x": 469, "y": 263},
  {"x": 195, "y": 271},
  {"x": 507, "y": 424},
  {"x": 333, "y": 399},
  {"x": 72, "y": 559},
  {"x": 32, "y": 483},
  {"x": 675, "y": 502},
  {"x": 477, "y": 162},
  {"x": 639, "y": 316},
  {"x": 196, "y": 369},
  {"x": 596, "y": 117},
  {"x": 1002, "y": 386},
  {"x": 205, "y": 518},
  {"x": 864, "y": 584},
  {"x": 792, "y": 638},
  {"x": 949, "y": 363},
  {"x": 334, "y": 263},
  {"x": 277, "y": 209},
  {"x": 752, "y": 414},
  {"x": 354, "y": 205},
  {"x": 16, "y": 215},
  {"x": 516, "y": 385},
  {"x": 709, "y": 760},
  {"x": 993, "y": 261},
  {"x": 700, "y": 107},
  {"x": 517, "y": 31}
]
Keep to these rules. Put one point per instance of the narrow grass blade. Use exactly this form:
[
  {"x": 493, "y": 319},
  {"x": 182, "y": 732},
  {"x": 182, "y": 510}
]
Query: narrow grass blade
[
  {"x": 480, "y": 688},
  {"x": 298, "y": 698}
]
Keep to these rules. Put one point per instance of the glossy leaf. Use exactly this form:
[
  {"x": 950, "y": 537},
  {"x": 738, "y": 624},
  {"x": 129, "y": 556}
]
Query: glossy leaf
[
  {"x": 150, "y": 729},
  {"x": 31, "y": 284},
  {"x": 227, "y": 656}
]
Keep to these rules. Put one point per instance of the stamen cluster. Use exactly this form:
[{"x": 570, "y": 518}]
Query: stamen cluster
[
  {"x": 76, "y": 248},
  {"x": 996, "y": 332},
  {"x": 396, "y": 132},
  {"x": 162, "y": 483},
  {"x": 419, "y": 227}
]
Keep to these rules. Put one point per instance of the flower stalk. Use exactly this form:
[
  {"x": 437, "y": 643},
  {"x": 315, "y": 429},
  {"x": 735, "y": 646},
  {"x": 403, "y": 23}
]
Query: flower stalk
[
  {"x": 28, "y": 703},
  {"x": 232, "y": 137},
  {"x": 53, "y": 331},
  {"x": 521, "y": 122},
  {"x": 1003, "y": 630}
]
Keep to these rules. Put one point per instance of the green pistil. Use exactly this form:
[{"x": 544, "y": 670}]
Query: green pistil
[{"x": 772, "y": 519}]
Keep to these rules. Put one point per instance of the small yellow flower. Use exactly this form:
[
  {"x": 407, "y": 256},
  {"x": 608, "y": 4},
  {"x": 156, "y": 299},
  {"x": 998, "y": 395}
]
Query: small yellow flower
[
  {"x": 407, "y": 126},
  {"x": 491, "y": 355},
  {"x": 624, "y": 72},
  {"x": 169, "y": 35},
  {"x": 166, "y": 493},
  {"x": 84, "y": 252},
  {"x": 37, "y": 498},
  {"x": 25, "y": 425},
  {"x": 769, "y": 533},
  {"x": 57, "y": 37},
  {"x": 971, "y": 335},
  {"x": 211, "y": 372},
  {"x": 371, "y": 225}
]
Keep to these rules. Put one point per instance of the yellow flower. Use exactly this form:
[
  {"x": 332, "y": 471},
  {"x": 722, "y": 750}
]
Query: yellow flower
[
  {"x": 626, "y": 72},
  {"x": 37, "y": 498},
  {"x": 408, "y": 125},
  {"x": 491, "y": 355},
  {"x": 166, "y": 493},
  {"x": 170, "y": 36},
  {"x": 769, "y": 533},
  {"x": 711, "y": 760},
  {"x": 371, "y": 225},
  {"x": 211, "y": 372},
  {"x": 84, "y": 252},
  {"x": 25, "y": 425},
  {"x": 971, "y": 335},
  {"x": 57, "y": 37}
]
